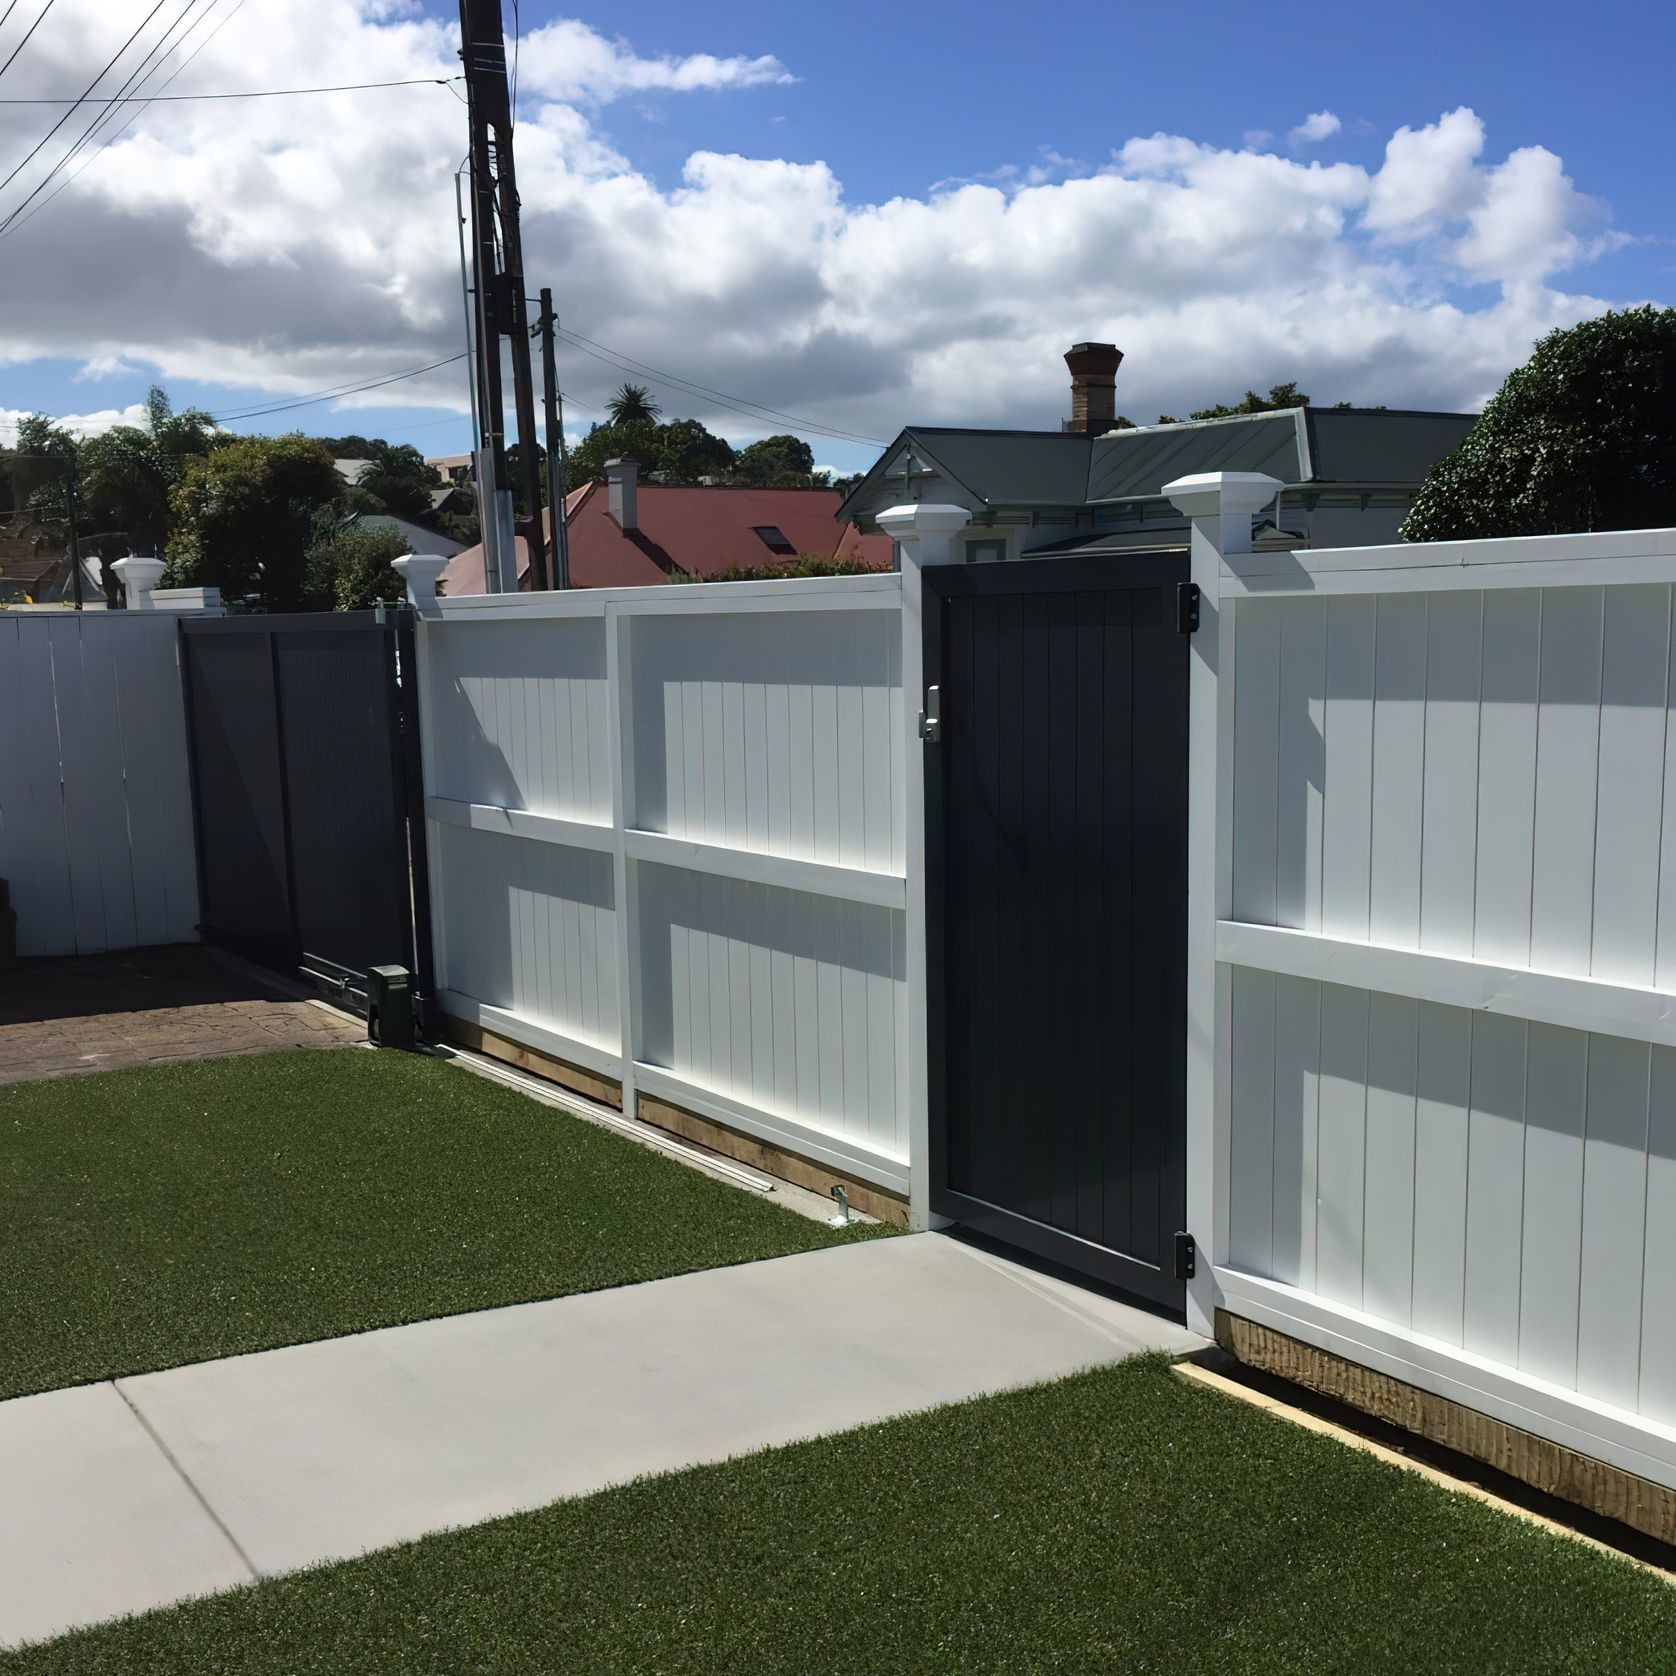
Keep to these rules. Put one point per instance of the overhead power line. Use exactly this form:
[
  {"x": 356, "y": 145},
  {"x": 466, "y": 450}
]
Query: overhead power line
[
  {"x": 334, "y": 394},
  {"x": 741, "y": 405},
  {"x": 26, "y": 34},
  {"x": 249, "y": 93},
  {"x": 74, "y": 107},
  {"x": 13, "y": 223}
]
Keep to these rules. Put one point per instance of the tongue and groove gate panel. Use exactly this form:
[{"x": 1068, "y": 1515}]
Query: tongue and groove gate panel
[{"x": 1056, "y": 888}]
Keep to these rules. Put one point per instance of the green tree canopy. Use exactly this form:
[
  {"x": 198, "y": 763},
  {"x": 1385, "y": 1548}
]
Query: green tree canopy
[
  {"x": 243, "y": 517},
  {"x": 1581, "y": 437},
  {"x": 35, "y": 466},
  {"x": 687, "y": 451},
  {"x": 125, "y": 474},
  {"x": 776, "y": 462},
  {"x": 632, "y": 405},
  {"x": 348, "y": 565},
  {"x": 397, "y": 477}
]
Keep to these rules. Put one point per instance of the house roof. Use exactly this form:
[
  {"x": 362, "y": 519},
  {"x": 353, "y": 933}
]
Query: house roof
[
  {"x": 1065, "y": 468},
  {"x": 418, "y": 538},
  {"x": 698, "y": 530}
]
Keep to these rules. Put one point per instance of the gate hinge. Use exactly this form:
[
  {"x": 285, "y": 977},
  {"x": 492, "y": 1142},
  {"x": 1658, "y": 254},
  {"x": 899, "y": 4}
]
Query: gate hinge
[
  {"x": 1187, "y": 1256},
  {"x": 1187, "y": 607}
]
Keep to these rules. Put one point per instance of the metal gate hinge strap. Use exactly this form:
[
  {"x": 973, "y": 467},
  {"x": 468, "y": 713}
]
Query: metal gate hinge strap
[
  {"x": 1187, "y": 607},
  {"x": 1187, "y": 1256}
]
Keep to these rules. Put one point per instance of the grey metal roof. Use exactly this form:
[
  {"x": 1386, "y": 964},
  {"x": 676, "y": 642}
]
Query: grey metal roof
[
  {"x": 1138, "y": 463},
  {"x": 1380, "y": 445},
  {"x": 1065, "y": 468}
]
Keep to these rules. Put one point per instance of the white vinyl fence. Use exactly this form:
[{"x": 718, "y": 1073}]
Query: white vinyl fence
[
  {"x": 667, "y": 838},
  {"x": 1437, "y": 867},
  {"x": 96, "y": 836}
]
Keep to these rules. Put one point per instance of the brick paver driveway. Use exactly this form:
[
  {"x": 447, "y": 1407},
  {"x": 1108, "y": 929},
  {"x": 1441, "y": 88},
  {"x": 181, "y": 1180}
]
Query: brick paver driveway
[{"x": 148, "y": 1007}]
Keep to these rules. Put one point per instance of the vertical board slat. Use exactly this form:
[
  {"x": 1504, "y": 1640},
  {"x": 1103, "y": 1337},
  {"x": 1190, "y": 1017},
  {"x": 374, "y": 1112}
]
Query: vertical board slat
[
  {"x": 1297, "y": 1080},
  {"x": 1495, "y": 1188},
  {"x": 1656, "y": 1397},
  {"x": 1256, "y": 758},
  {"x": 1567, "y": 749},
  {"x": 1443, "y": 1088},
  {"x": 1347, "y": 815},
  {"x": 1341, "y": 1148},
  {"x": 1253, "y": 1070},
  {"x": 1507, "y": 775},
  {"x": 1614, "y": 1220},
  {"x": 1399, "y": 753},
  {"x": 84, "y": 806},
  {"x": 1388, "y": 1213},
  {"x": 1556, "y": 1072},
  {"x": 1634, "y": 678},
  {"x": 1302, "y": 764},
  {"x": 1449, "y": 832}
]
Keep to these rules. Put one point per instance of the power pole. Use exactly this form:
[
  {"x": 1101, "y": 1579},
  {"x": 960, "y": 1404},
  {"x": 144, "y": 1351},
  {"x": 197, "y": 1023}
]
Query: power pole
[
  {"x": 498, "y": 263},
  {"x": 74, "y": 539},
  {"x": 556, "y": 462}
]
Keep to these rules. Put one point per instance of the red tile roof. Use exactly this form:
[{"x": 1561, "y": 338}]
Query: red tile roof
[{"x": 701, "y": 531}]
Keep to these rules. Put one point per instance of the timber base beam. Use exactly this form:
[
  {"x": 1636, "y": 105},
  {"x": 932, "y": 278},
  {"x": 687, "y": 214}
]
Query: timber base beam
[{"x": 1555, "y": 1470}]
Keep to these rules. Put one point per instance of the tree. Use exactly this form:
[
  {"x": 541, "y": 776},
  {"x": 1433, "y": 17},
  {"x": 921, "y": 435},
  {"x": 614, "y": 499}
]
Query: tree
[
  {"x": 348, "y": 565},
  {"x": 776, "y": 462},
  {"x": 397, "y": 477},
  {"x": 1581, "y": 437},
  {"x": 125, "y": 474},
  {"x": 635, "y": 441},
  {"x": 687, "y": 451},
  {"x": 1279, "y": 396},
  {"x": 243, "y": 517},
  {"x": 37, "y": 464},
  {"x": 632, "y": 405}
]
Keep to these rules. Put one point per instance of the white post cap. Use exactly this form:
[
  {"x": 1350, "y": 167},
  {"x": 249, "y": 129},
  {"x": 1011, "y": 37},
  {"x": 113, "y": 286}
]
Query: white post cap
[
  {"x": 139, "y": 576},
  {"x": 420, "y": 571},
  {"x": 904, "y": 523},
  {"x": 1230, "y": 494}
]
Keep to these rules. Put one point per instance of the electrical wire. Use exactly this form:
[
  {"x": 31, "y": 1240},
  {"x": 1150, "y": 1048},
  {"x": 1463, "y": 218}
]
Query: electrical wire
[
  {"x": 736, "y": 404},
  {"x": 79, "y": 102},
  {"x": 251, "y": 93},
  {"x": 12, "y": 224},
  {"x": 142, "y": 73},
  {"x": 334, "y": 394},
  {"x": 7, "y": 13},
  {"x": 26, "y": 34}
]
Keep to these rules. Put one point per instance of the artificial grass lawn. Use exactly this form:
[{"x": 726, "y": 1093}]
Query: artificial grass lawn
[
  {"x": 167, "y": 1215},
  {"x": 1119, "y": 1521}
]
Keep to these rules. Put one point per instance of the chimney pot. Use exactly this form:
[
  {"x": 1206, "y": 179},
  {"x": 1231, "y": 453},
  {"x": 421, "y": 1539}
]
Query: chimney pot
[
  {"x": 1093, "y": 386},
  {"x": 622, "y": 479}
]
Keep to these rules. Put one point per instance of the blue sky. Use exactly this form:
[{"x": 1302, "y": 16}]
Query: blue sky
[{"x": 843, "y": 274}]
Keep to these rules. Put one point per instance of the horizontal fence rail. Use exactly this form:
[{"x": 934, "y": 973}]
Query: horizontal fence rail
[
  {"x": 96, "y": 840},
  {"x": 1445, "y": 937},
  {"x": 668, "y": 845}
]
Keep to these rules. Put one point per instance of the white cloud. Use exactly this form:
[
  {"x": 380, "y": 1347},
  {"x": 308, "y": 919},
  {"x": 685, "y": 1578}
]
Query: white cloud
[
  {"x": 567, "y": 60},
  {"x": 290, "y": 245},
  {"x": 1316, "y": 127},
  {"x": 78, "y": 424}
]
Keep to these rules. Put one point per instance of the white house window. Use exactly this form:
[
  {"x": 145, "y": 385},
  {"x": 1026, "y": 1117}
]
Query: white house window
[{"x": 986, "y": 552}]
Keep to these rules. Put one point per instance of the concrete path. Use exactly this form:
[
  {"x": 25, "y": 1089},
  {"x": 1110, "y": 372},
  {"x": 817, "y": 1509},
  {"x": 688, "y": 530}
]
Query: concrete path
[{"x": 133, "y": 1494}]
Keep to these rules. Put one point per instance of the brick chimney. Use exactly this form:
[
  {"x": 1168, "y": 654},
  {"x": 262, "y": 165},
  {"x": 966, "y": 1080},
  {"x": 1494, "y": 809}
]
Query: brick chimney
[
  {"x": 1093, "y": 386},
  {"x": 622, "y": 479}
]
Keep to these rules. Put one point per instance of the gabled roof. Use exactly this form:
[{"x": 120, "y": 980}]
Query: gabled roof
[
  {"x": 696, "y": 531},
  {"x": 1364, "y": 446}
]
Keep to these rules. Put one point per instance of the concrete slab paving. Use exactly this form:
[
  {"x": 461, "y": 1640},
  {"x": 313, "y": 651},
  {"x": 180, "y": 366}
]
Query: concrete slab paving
[
  {"x": 322, "y": 1451},
  {"x": 94, "y": 1521}
]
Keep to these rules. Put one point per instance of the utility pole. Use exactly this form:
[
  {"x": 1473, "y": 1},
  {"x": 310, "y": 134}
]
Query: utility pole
[
  {"x": 498, "y": 264},
  {"x": 75, "y": 540},
  {"x": 545, "y": 326}
]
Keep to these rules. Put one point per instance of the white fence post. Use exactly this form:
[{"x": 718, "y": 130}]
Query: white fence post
[
  {"x": 925, "y": 536},
  {"x": 1221, "y": 505}
]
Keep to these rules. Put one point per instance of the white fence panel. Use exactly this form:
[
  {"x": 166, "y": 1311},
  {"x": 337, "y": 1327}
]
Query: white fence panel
[
  {"x": 96, "y": 834},
  {"x": 669, "y": 840},
  {"x": 1445, "y": 1133}
]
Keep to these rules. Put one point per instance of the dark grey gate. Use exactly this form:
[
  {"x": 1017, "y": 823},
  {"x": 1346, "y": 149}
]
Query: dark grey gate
[
  {"x": 307, "y": 793},
  {"x": 1056, "y": 798}
]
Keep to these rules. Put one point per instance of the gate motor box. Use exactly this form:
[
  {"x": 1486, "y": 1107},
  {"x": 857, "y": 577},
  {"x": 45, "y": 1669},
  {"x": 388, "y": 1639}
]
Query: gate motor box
[{"x": 390, "y": 1007}]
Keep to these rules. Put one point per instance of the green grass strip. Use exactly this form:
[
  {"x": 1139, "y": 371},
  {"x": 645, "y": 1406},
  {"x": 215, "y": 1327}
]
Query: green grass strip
[
  {"x": 168, "y": 1215},
  {"x": 1119, "y": 1521}
]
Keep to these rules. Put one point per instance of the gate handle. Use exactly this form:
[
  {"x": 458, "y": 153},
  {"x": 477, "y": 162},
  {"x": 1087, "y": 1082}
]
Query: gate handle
[{"x": 931, "y": 717}]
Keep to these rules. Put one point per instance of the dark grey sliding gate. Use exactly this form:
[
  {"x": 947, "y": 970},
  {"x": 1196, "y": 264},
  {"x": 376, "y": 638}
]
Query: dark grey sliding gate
[
  {"x": 306, "y": 791},
  {"x": 1056, "y": 799}
]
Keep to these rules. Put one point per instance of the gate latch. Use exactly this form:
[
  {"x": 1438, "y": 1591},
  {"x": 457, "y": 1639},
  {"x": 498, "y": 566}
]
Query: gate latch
[
  {"x": 931, "y": 717},
  {"x": 1187, "y": 1256},
  {"x": 1187, "y": 607}
]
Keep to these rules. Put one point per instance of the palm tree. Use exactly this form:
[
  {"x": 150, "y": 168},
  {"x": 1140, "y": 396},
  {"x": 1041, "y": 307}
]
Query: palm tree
[{"x": 632, "y": 405}]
